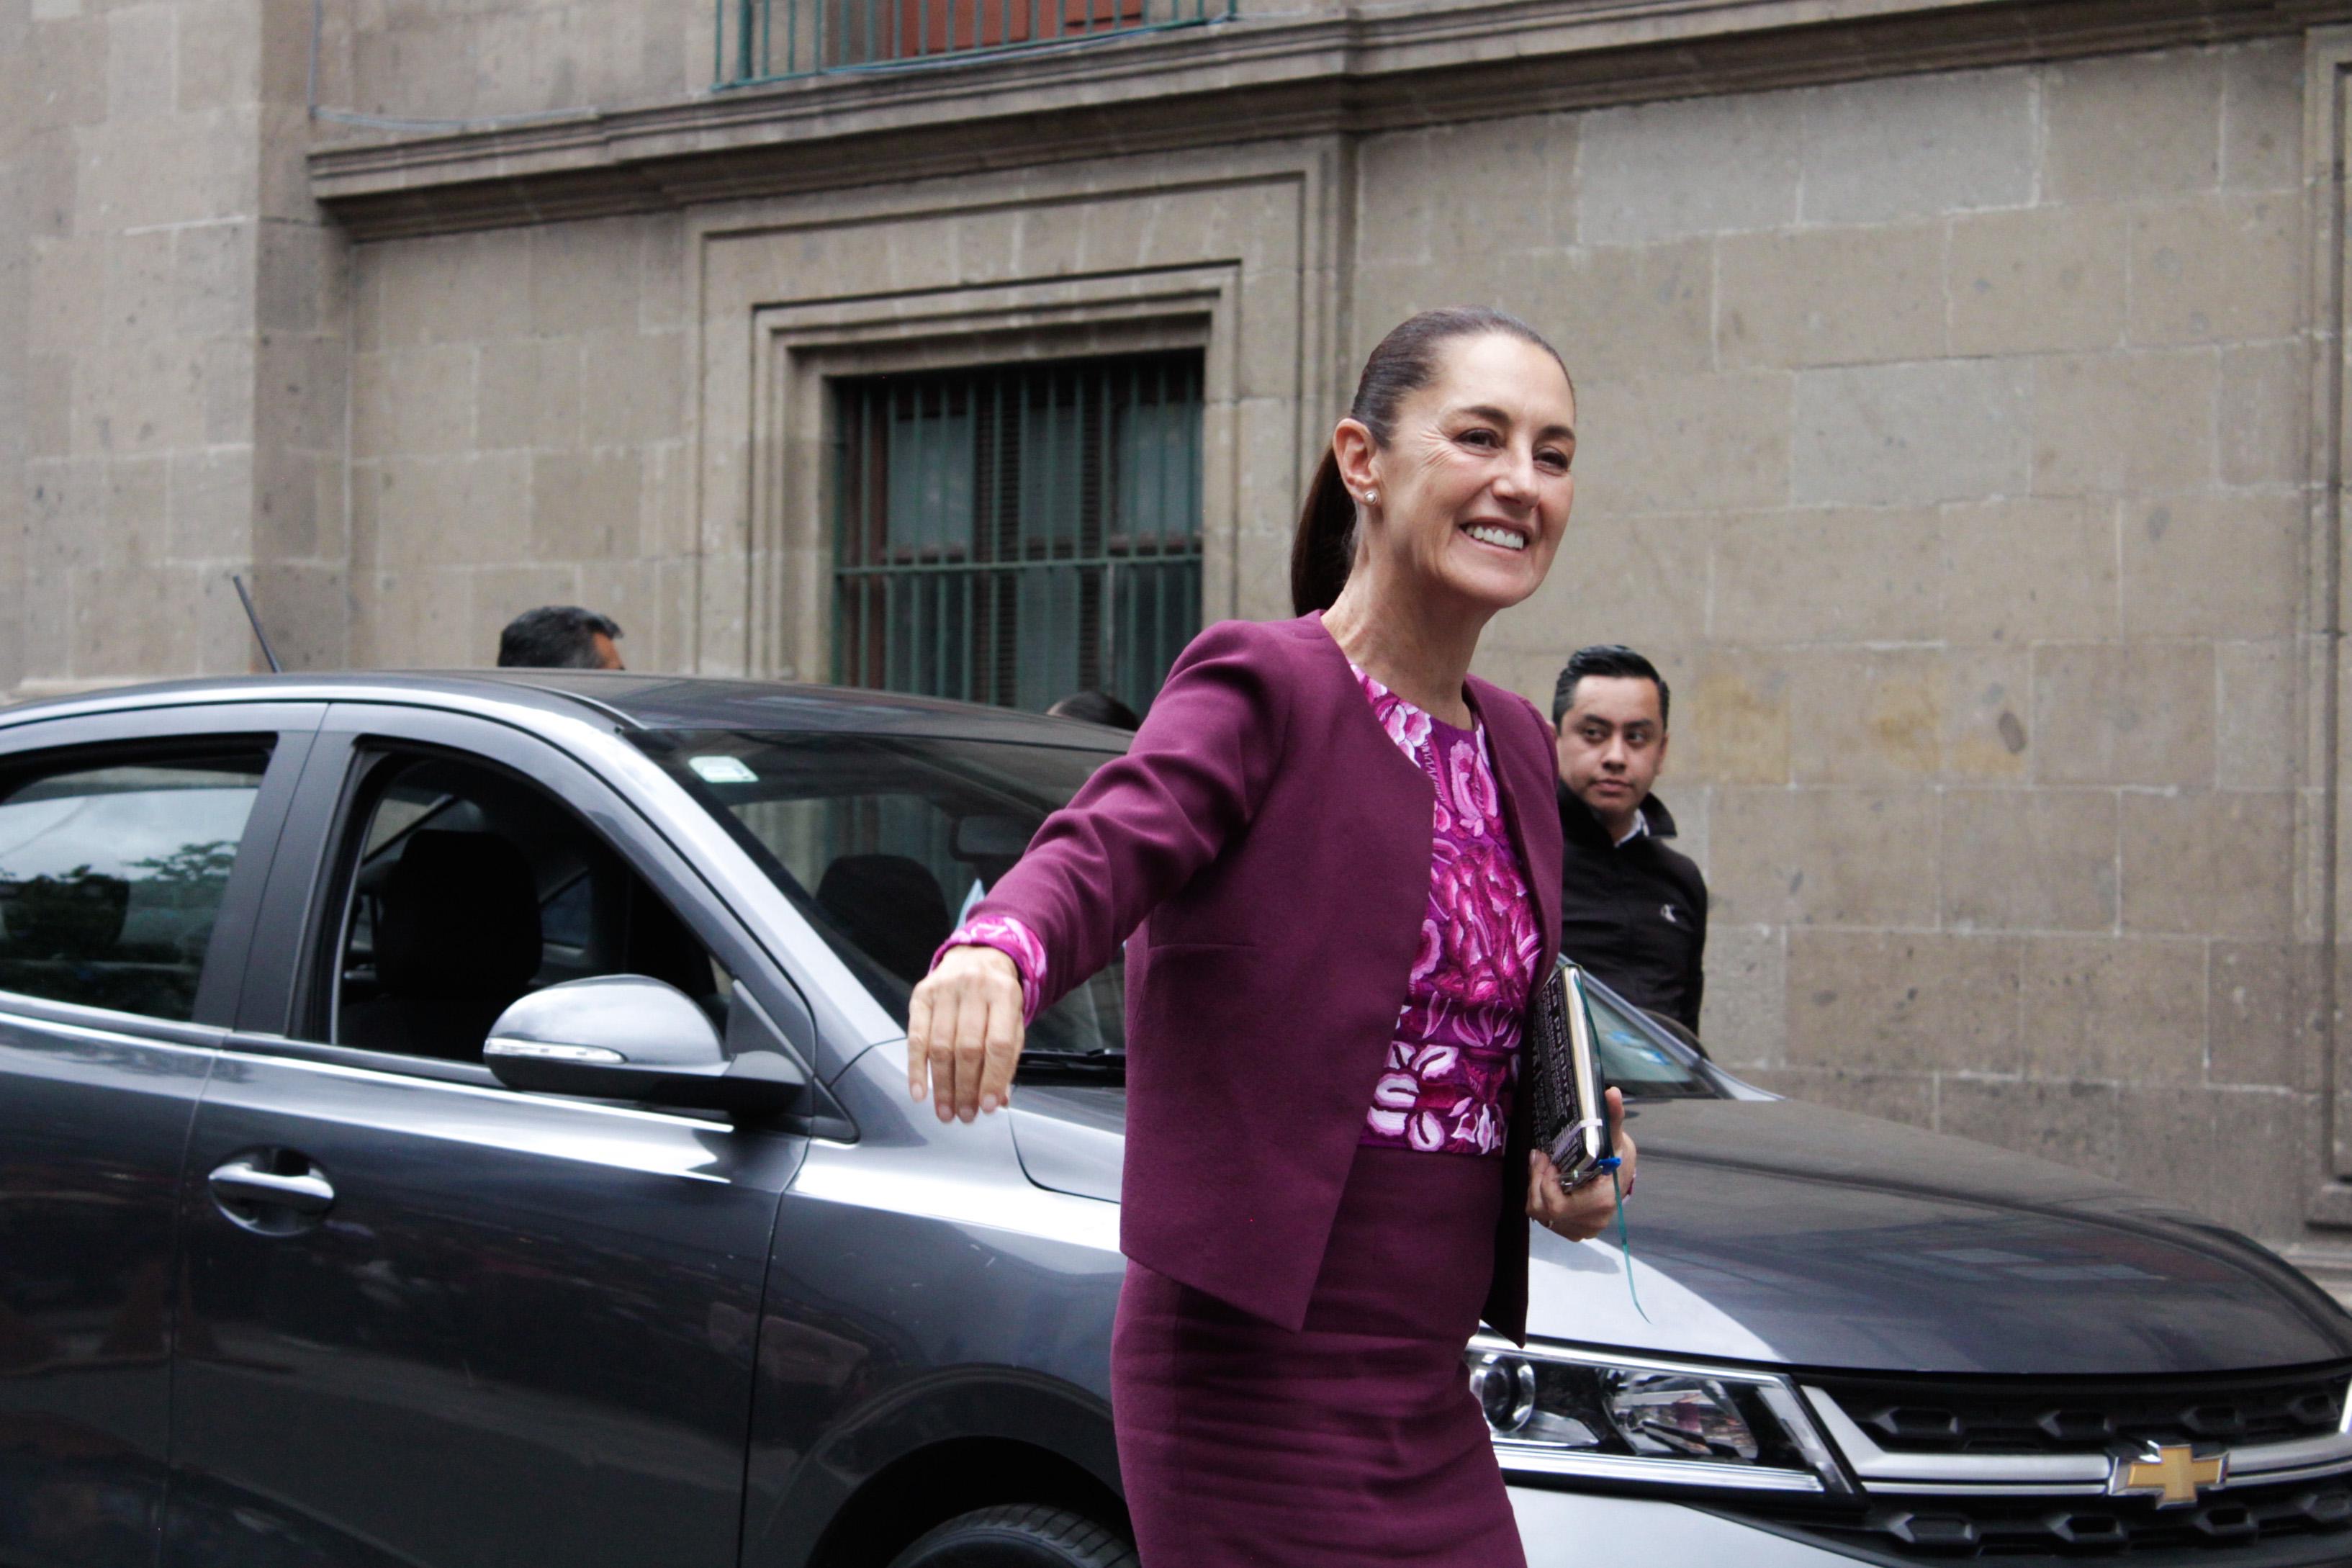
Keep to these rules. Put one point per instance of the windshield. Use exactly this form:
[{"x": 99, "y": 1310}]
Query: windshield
[{"x": 884, "y": 842}]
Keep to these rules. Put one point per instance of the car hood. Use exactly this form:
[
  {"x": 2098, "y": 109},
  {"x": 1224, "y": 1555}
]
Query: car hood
[{"x": 1776, "y": 1231}]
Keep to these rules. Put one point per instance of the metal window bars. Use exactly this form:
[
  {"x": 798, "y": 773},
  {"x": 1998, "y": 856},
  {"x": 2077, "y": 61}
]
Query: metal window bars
[
  {"x": 771, "y": 40},
  {"x": 1013, "y": 534}
]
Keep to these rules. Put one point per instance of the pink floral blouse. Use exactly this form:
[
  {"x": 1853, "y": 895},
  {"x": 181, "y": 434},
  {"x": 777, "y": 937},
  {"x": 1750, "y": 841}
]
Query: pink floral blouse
[{"x": 1454, "y": 1058}]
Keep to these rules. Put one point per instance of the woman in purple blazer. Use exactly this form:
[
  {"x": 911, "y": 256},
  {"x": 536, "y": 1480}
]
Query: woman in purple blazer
[{"x": 1338, "y": 854}]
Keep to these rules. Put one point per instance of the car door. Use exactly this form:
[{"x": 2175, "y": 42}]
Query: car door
[
  {"x": 133, "y": 849},
  {"x": 429, "y": 1319}
]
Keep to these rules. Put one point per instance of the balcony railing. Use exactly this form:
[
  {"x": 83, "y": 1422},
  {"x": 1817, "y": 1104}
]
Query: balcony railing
[{"x": 770, "y": 40}]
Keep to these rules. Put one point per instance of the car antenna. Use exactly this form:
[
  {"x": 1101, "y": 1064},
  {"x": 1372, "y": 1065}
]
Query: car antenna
[{"x": 255, "y": 616}]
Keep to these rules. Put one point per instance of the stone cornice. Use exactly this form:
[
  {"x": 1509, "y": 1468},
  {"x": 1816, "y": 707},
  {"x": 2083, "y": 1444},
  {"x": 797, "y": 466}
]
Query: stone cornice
[{"x": 1242, "y": 79}]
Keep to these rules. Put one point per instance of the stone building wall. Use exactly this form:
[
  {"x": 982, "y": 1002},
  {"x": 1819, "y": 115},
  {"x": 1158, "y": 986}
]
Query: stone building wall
[
  {"x": 519, "y": 416},
  {"x": 176, "y": 307},
  {"x": 16, "y": 262},
  {"x": 426, "y": 59},
  {"x": 1944, "y": 438},
  {"x": 1946, "y": 435}
]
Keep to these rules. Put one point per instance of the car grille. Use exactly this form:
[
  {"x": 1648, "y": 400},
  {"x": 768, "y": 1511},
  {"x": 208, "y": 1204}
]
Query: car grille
[
  {"x": 2005, "y": 1417},
  {"x": 1945, "y": 1529},
  {"x": 1963, "y": 1469}
]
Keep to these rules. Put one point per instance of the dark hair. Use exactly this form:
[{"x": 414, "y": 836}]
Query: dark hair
[
  {"x": 1096, "y": 708},
  {"x": 554, "y": 636},
  {"x": 1605, "y": 659},
  {"x": 1404, "y": 361}
]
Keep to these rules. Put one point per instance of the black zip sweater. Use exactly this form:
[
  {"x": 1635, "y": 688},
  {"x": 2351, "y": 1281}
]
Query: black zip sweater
[{"x": 1635, "y": 915}]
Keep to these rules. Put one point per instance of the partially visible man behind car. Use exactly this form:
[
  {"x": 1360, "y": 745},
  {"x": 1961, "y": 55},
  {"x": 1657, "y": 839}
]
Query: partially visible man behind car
[
  {"x": 560, "y": 637},
  {"x": 1633, "y": 911}
]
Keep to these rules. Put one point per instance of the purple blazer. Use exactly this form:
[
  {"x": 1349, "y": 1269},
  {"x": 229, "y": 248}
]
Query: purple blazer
[{"x": 1274, "y": 845}]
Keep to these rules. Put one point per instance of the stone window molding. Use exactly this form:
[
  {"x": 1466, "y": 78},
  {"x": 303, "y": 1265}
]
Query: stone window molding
[
  {"x": 801, "y": 348},
  {"x": 1239, "y": 264}
]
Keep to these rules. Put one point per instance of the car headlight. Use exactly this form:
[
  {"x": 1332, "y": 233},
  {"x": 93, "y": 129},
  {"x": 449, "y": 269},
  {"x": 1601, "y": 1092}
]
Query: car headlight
[{"x": 1557, "y": 1412}]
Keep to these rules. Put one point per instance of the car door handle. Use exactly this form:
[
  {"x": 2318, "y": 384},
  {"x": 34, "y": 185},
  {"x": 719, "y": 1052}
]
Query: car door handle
[{"x": 247, "y": 1184}]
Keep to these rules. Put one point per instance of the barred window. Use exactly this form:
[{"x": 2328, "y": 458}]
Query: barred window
[{"x": 1013, "y": 534}]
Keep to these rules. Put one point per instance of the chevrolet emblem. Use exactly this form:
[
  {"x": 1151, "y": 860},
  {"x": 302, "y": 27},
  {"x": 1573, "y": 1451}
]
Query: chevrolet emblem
[{"x": 2173, "y": 1474}]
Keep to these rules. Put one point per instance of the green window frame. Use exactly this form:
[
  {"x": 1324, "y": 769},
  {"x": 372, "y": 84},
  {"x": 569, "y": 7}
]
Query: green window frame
[{"x": 1012, "y": 534}]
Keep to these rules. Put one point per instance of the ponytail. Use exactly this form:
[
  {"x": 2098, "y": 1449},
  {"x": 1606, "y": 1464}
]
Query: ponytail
[
  {"x": 1403, "y": 364},
  {"x": 1325, "y": 547}
]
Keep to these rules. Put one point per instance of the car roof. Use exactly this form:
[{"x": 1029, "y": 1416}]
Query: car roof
[{"x": 629, "y": 700}]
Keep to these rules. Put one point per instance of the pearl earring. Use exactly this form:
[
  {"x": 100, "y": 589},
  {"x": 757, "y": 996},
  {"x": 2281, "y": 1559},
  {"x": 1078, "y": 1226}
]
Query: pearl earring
[{"x": 1371, "y": 498}]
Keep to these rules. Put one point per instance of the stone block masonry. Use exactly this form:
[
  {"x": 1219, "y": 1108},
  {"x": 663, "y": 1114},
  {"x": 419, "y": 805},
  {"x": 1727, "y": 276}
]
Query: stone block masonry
[{"x": 1974, "y": 532}]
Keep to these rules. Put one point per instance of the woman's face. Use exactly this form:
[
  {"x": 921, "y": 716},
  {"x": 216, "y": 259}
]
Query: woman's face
[{"x": 1473, "y": 490}]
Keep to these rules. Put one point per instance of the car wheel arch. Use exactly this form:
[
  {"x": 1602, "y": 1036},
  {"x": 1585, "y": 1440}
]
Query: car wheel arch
[{"x": 953, "y": 1442}]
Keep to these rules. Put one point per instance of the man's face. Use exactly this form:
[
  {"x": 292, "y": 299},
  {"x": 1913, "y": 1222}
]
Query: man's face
[
  {"x": 608, "y": 653},
  {"x": 1612, "y": 743}
]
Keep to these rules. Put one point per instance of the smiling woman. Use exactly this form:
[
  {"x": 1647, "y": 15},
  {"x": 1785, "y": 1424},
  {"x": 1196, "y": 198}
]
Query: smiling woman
[
  {"x": 1437, "y": 481},
  {"x": 1342, "y": 854}
]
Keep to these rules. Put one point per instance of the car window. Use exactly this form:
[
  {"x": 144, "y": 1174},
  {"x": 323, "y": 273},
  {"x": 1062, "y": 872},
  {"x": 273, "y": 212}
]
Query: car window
[
  {"x": 884, "y": 842},
  {"x": 1638, "y": 1058},
  {"x": 467, "y": 887},
  {"x": 111, "y": 874}
]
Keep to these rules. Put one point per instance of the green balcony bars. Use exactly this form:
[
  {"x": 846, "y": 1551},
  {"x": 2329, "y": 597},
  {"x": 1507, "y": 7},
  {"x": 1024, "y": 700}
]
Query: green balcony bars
[
  {"x": 1014, "y": 533},
  {"x": 768, "y": 40}
]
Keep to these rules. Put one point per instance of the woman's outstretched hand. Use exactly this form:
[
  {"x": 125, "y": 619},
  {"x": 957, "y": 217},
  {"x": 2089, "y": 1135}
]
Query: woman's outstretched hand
[
  {"x": 963, "y": 1032},
  {"x": 1582, "y": 1213}
]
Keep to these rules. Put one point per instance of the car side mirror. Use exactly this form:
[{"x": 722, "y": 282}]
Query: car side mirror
[{"x": 627, "y": 1037}]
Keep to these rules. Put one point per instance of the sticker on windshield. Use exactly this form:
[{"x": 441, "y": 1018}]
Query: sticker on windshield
[{"x": 722, "y": 770}]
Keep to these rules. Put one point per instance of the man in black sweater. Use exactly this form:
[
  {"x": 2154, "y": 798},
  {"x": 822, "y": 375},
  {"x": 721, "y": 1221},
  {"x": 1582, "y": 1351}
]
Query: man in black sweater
[{"x": 1631, "y": 911}]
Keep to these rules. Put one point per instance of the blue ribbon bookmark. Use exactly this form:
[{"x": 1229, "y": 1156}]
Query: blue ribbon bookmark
[{"x": 1625, "y": 1244}]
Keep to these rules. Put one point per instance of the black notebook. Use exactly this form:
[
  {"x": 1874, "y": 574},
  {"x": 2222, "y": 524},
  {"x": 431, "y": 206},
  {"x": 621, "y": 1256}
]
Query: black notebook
[{"x": 1568, "y": 1115}]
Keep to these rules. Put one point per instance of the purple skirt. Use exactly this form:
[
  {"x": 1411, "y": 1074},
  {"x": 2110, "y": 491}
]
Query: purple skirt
[{"x": 1242, "y": 1445}]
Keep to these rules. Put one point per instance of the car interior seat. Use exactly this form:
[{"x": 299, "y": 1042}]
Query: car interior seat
[
  {"x": 457, "y": 939},
  {"x": 891, "y": 907}
]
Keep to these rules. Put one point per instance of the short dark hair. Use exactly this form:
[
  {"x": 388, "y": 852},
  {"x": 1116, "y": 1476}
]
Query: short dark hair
[
  {"x": 1605, "y": 659},
  {"x": 554, "y": 636}
]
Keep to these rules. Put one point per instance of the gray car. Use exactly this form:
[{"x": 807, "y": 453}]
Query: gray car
[{"x": 461, "y": 1120}]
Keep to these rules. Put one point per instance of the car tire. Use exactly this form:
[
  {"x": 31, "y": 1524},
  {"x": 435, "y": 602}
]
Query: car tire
[{"x": 1018, "y": 1535}]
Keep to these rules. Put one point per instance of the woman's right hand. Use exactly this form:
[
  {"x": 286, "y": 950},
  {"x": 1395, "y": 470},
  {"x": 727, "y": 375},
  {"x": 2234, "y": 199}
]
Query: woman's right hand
[
  {"x": 963, "y": 1032},
  {"x": 1583, "y": 1212}
]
